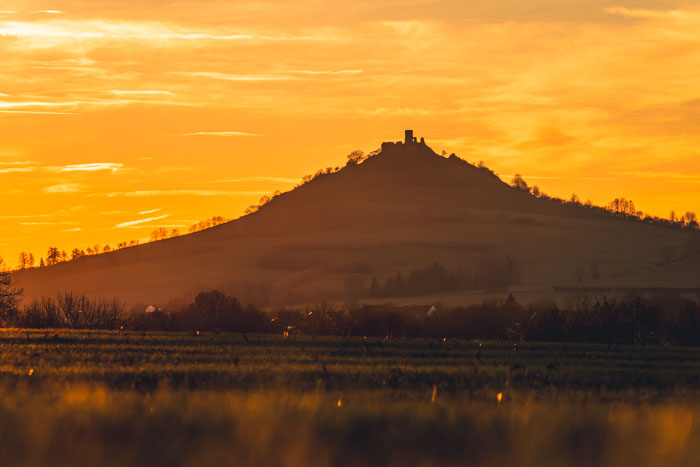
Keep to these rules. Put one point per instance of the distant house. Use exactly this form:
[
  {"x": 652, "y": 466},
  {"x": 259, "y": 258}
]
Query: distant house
[{"x": 151, "y": 309}]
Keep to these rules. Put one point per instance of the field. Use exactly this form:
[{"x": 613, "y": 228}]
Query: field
[{"x": 108, "y": 398}]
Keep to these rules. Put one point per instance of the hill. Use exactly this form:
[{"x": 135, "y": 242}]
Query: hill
[{"x": 402, "y": 209}]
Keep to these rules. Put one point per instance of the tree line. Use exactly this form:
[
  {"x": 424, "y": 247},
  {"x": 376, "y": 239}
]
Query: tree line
[
  {"x": 619, "y": 207},
  {"x": 54, "y": 255},
  {"x": 486, "y": 273},
  {"x": 659, "y": 320}
]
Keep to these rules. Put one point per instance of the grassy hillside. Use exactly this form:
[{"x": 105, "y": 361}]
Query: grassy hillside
[{"x": 398, "y": 210}]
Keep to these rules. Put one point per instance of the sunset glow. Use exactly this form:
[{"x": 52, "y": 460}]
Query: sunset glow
[{"x": 119, "y": 117}]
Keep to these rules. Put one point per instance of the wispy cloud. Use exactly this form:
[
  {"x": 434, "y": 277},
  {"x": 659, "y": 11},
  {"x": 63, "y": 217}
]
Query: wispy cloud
[
  {"x": 13, "y": 105},
  {"x": 145, "y": 193},
  {"x": 287, "y": 75},
  {"x": 65, "y": 188},
  {"x": 93, "y": 167},
  {"x": 35, "y": 112},
  {"x": 45, "y": 107},
  {"x": 49, "y": 12},
  {"x": 119, "y": 92},
  {"x": 644, "y": 13},
  {"x": 231, "y": 77},
  {"x": 661, "y": 175},
  {"x": 29, "y": 216},
  {"x": 90, "y": 167},
  {"x": 149, "y": 212},
  {"x": 17, "y": 162},
  {"x": 326, "y": 72},
  {"x": 89, "y": 29},
  {"x": 128, "y": 224},
  {"x": 257, "y": 179},
  {"x": 219, "y": 133},
  {"x": 17, "y": 170},
  {"x": 46, "y": 223}
]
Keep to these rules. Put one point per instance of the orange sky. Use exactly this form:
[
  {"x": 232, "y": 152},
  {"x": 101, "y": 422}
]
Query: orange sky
[{"x": 119, "y": 116}]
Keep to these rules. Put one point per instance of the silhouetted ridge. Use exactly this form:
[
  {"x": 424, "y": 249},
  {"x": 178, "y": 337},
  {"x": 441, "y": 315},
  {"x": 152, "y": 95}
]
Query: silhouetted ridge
[{"x": 398, "y": 210}]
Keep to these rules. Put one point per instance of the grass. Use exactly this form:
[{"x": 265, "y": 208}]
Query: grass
[{"x": 107, "y": 398}]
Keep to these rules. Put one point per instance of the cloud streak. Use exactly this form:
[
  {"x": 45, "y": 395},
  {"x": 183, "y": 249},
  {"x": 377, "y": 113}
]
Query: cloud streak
[
  {"x": 61, "y": 30},
  {"x": 65, "y": 188},
  {"x": 125, "y": 225},
  {"x": 149, "y": 212},
  {"x": 148, "y": 193},
  {"x": 219, "y": 133},
  {"x": 93, "y": 167}
]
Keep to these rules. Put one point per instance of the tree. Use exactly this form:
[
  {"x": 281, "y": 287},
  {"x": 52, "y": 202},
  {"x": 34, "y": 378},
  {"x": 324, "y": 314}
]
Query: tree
[
  {"x": 30, "y": 260},
  {"x": 574, "y": 199},
  {"x": 23, "y": 260},
  {"x": 52, "y": 256},
  {"x": 673, "y": 217},
  {"x": 9, "y": 295},
  {"x": 160, "y": 233},
  {"x": 41, "y": 263},
  {"x": 622, "y": 206},
  {"x": 75, "y": 254},
  {"x": 519, "y": 183},
  {"x": 356, "y": 157},
  {"x": 64, "y": 256},
  {"x": 689, "y": 219},
  {"x": 536, "y": 192},
  {"x": 106, "y": 249}
]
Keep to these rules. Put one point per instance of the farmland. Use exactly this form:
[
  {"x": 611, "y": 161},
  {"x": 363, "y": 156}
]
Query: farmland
[{"x": 136, "y": 398}]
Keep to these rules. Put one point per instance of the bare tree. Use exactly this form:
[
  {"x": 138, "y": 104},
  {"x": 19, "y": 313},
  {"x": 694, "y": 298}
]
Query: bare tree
[
  {"x": 52, "y": 256},
  {"x": 689, "y": 219},
  {"x": 9, "y": 295},
  {"x": 23, "y": 260},
  {"x": 160, "y": 233},
  {"x": 30, "y": 260}
]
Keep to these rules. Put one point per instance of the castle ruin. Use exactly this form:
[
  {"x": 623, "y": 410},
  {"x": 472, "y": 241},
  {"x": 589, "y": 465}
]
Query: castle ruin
[{"x": 410, "y": 143}]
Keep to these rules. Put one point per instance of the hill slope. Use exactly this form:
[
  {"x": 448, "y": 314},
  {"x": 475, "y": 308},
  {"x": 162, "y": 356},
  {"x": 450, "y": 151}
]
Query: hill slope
[{"x": 404, "y": 208}]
